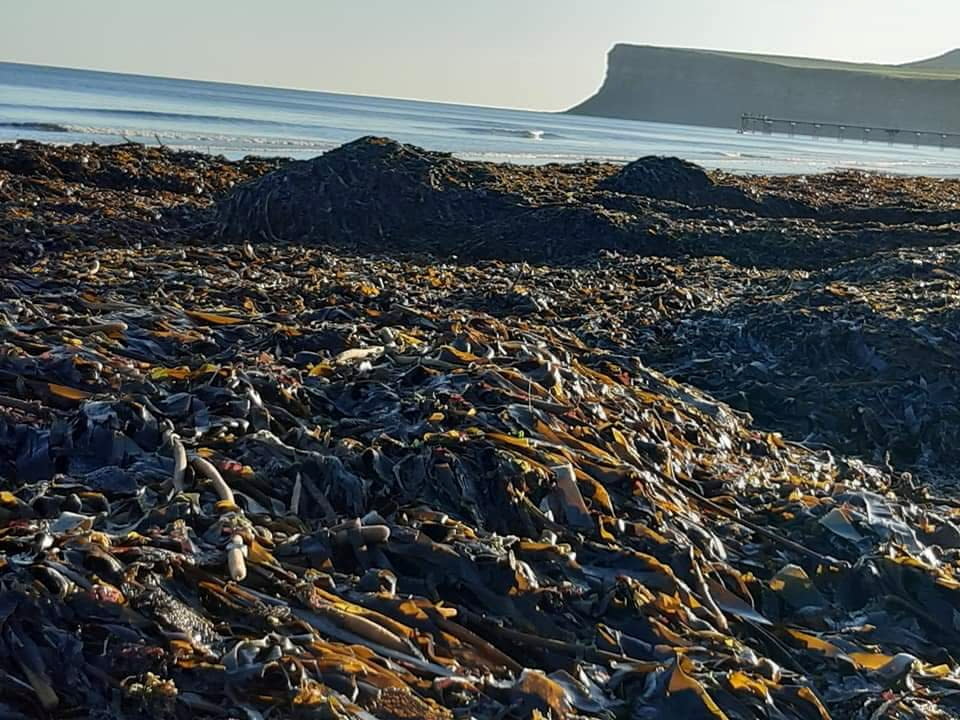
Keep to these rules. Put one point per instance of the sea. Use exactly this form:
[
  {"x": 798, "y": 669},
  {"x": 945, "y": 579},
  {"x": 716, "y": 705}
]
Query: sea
[{"x": 60, "y": 105}]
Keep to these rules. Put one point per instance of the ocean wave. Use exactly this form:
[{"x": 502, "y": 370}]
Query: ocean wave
[
  {"x": 528, "y": 134},
  {"x": 35, "y": 126},
  {"x": 182, "y": 140},
  {"x": 534, "y": 158},
  {"x": 193, "y": 137},
  {"x": 146, "y": 114},
  {"x": 734, "y": 155},
  {"x": 149, "y": 118}
]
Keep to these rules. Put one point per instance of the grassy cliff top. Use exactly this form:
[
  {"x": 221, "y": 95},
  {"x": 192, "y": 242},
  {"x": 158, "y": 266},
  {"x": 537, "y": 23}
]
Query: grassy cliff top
[{"x": 942, "y": 67}]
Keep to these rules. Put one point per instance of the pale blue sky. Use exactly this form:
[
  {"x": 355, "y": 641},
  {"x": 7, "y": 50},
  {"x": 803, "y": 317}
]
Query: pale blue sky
[{"x": 543, "y": 54}]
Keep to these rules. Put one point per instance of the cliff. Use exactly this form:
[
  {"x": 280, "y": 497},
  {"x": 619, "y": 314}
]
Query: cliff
[
  {"x": 701, "y": 87},
  {"x": 947, "y": 61}
]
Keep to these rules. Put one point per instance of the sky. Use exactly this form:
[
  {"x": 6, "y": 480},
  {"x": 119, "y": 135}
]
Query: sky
[{"x": 538, "y": 54}]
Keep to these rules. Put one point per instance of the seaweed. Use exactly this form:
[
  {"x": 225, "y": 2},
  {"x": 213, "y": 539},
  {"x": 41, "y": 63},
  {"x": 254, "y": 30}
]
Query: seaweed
[{"x": 330, "y": 473}]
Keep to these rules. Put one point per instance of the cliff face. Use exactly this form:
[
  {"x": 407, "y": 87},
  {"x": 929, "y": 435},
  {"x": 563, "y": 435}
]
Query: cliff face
[
  {"x": 699, "y": 87},
  {"x": 947, "y": 61}
]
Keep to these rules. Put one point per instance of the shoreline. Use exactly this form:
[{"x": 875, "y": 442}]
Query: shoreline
[
  {"x": 465, "y": 439},
  {"x": 304, "y": 148}
]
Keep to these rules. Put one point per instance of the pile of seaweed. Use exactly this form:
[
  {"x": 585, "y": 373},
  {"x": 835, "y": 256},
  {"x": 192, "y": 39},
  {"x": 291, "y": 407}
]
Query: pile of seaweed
[
  {"x": 243, "y": 477},
  {"x": 376, "y": 193}
]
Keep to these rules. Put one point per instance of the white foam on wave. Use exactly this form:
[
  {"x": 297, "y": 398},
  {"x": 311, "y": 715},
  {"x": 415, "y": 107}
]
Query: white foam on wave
[
  {"x": 537, "y": 158},
  {"x": 178, "y": 139},
  {"x": 512, "y": 132},
  {"x": 203, "y": 137}
]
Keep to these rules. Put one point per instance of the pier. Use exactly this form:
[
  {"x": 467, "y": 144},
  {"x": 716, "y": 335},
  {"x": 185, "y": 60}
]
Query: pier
[{"x": 750, "y": 123}]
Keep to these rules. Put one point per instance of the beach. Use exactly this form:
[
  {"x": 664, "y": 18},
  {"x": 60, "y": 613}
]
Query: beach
[{"x": 392, "y": 433}]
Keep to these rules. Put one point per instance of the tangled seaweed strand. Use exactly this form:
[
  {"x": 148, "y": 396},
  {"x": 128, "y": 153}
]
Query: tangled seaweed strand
[
  {"x": 289, "y": 481},
  {"x": 402, "y": 507}
]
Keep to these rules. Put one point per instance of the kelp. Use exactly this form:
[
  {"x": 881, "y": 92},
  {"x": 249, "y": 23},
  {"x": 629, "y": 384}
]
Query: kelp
[{"x": 287, "y": 480}]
